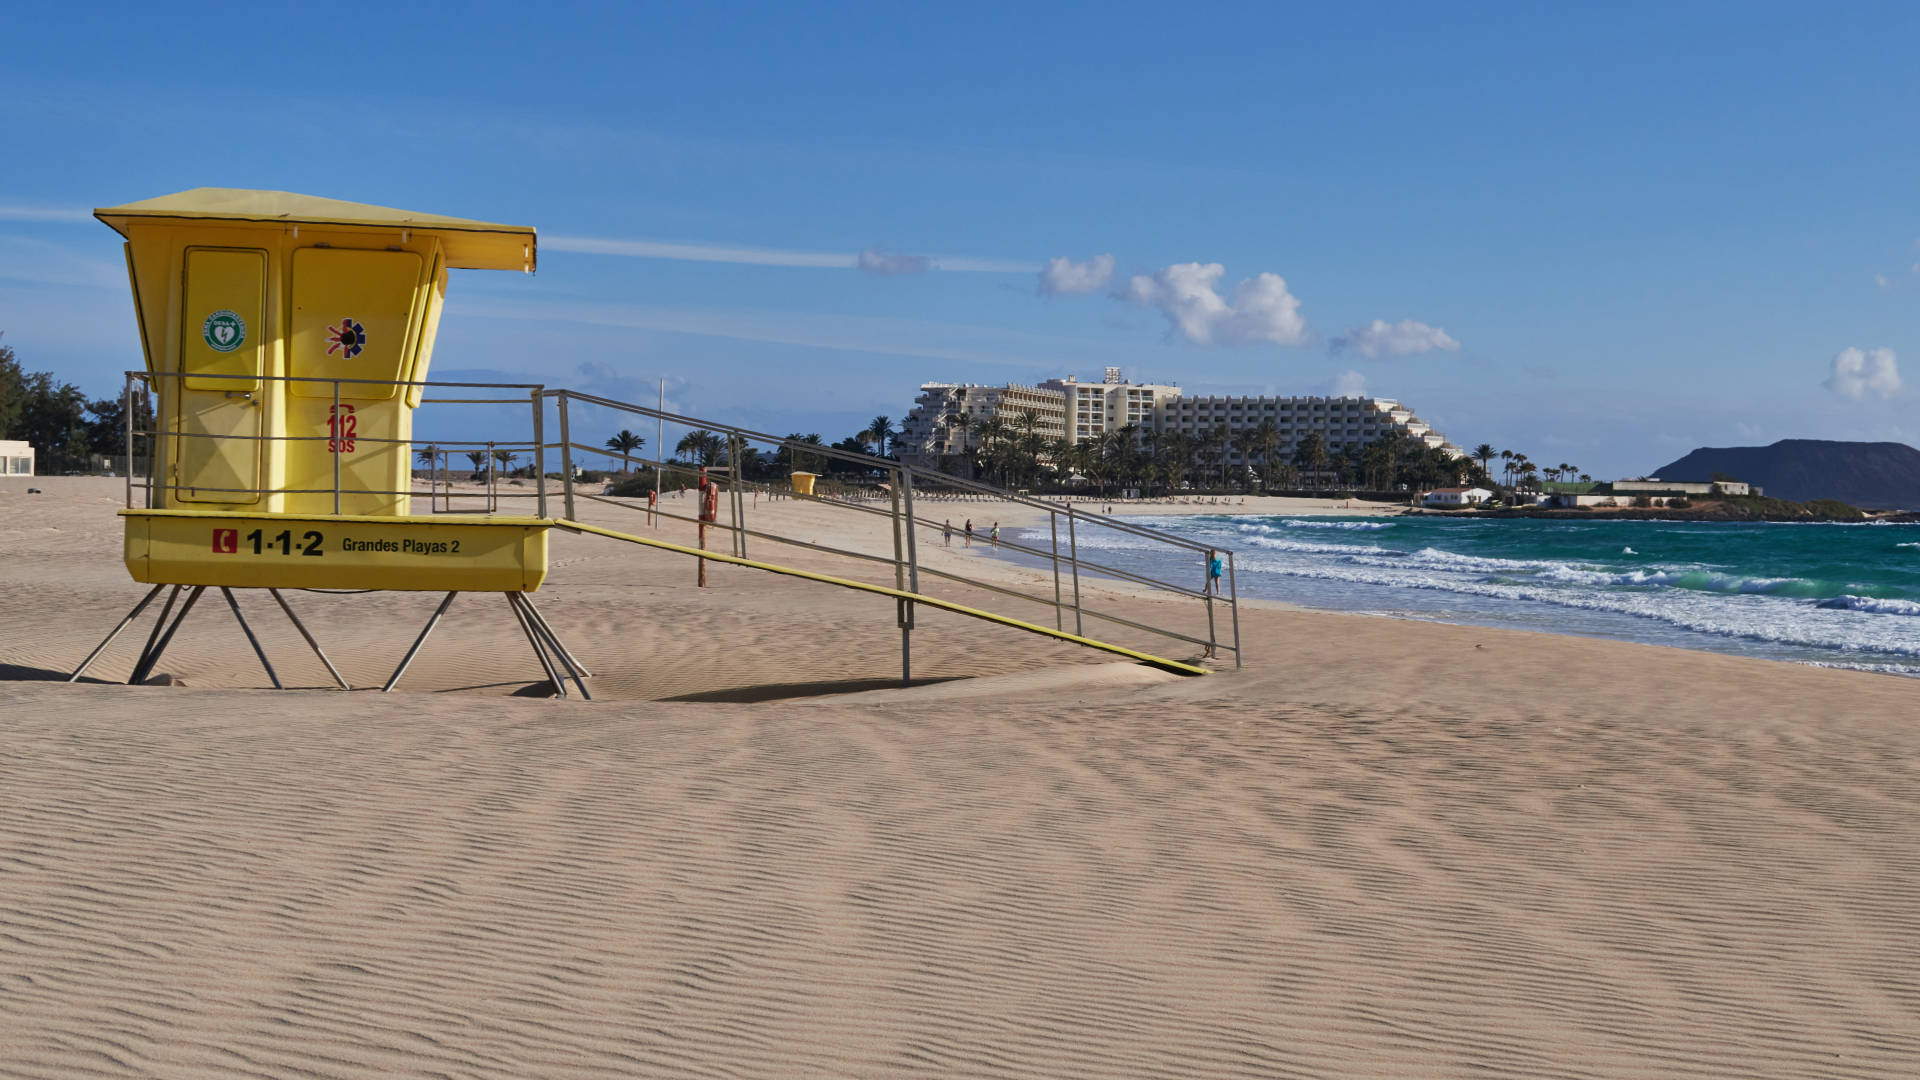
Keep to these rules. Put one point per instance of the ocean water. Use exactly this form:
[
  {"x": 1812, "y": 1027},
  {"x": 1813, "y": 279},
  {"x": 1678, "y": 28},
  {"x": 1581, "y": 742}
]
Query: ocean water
[{"x": 1841, "y": 595}]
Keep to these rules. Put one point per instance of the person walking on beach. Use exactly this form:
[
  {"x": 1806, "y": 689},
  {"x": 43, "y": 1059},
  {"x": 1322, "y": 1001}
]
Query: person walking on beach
[
  {"x": 1214, "y": 567},
  {"x": 946, "y": 532},
  {"x": 968, "y": 538},
  {"x": 996, "y": 534}
]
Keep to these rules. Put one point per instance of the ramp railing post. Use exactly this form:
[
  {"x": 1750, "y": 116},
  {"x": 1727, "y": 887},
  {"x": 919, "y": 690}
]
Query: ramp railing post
[
  {"x": 493, "y": 467},
  {"x": 566, "y": 459},
  {"x": 126, "y": 406},
  {"x": 900, "y": 580},
  {"x": 1206, "y": 578},
  {"x": 1053, "y": 526},
  {"x": 539, "y": 454},
  {"x": 1234, "y": 587},
  {"x": 735, "y": 506},
  {"x": 913, "y": 563},
  {"x": 1073, "y": 560}
]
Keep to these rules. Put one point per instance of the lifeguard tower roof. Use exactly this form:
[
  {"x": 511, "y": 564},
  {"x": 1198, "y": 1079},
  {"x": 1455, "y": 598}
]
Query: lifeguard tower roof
[{"x": 469, "y": 244}]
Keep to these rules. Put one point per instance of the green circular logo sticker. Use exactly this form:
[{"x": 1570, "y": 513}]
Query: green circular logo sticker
[{"x": 224, "y": 331}]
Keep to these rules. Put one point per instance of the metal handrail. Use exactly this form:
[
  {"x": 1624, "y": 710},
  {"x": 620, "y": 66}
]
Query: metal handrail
[
  {"x": 1014, "y": 545},
  {"x": 897, "y": 503},
  {"x": 876, "y": 463},
  {"x": 902, "y": 475}
]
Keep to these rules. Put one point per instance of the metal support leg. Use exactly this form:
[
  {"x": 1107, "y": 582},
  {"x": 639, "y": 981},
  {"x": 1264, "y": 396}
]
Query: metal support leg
[
  {"x": 552, "y": 641},
  {"x": 147, "y": 662},
  {"x": 124, "y": 623},
  {"x": 251, "y": 640},
  {"x": 419, "y": 641},
  {"x": 533, "y": 638},
  {"x": 1235, "y": 587},
  {"x": 541, "y": 621},
  {"x": 300, "y": 626},
  {"x": 159, "y": 627}
]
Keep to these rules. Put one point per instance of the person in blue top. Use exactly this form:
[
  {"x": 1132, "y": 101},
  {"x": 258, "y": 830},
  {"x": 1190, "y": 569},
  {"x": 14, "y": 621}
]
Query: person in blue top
[{"x": 1214, "y": 567}]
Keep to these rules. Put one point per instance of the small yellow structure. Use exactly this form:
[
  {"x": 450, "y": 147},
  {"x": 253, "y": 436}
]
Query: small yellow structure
[{"x": 283, "y": 332}]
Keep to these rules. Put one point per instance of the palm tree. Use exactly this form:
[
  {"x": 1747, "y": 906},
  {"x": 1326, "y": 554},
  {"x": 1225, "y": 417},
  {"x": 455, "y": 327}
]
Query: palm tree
[
  {"x": 1213, "y": 449},
  {"x": 881, "y": 434},
  {"x": 1248, "y": 444},
  {"x": 428, "y": 454},
  {"x": 700, "y": 447},
  {"x": 624, "y": 444},
  {"x": 505, "y": 458},
  {"x": 996, "y": 435},
  {"x": 1483, "y": 454},
  {"x": 1176, "y": 457},
  {"x": 1266, "y": 435},
  {"x": 1506, "y": 465},
  {"x": 1311, "y": 452},
  {"x": 479, "y": 459}
]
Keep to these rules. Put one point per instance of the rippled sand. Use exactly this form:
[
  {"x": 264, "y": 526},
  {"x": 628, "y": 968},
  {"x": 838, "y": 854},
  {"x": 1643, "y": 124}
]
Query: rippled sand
[{"x": 1382, "y": 849}]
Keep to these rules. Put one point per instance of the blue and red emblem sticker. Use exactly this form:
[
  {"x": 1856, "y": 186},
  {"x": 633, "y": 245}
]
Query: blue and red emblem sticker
[{"x": 347, "y": 339}]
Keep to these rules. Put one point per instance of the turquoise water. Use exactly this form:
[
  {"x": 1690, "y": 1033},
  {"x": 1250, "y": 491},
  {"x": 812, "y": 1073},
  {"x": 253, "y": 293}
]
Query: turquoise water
[{"x": 1844, "y": 595}]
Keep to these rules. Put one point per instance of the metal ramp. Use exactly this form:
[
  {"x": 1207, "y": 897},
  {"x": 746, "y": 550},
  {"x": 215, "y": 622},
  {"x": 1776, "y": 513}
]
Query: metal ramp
[
  {"x": 1161, "y": 662},
  {"x": 528, "y": 431}
]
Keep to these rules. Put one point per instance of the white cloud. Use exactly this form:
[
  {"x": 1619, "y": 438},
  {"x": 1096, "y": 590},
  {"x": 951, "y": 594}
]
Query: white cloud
[
  {"x": 949, "y": 342},
  {"x": 1881, "y": 280},
  {"x": 969, "y": 265},
  {"x": 15, "y": 212},
  {"x": 888, "y": 264},
  {"x": 1859, "y": 372},
  {"x": 1063, "y": 276},
  {"x": 1404, "y": 338},
  {"x": 1348, "y": 384},
  {"x": 1262, "y": 308},
  {"x": 872, "y": 260},
  {"x": 648, "y": 249}
]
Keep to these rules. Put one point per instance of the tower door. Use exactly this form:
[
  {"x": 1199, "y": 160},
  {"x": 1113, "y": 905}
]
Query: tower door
[{"x": 218, "y": 399}]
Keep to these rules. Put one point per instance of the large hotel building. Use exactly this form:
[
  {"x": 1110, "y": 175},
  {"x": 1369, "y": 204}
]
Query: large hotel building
[{"x": 932, "y": 431}]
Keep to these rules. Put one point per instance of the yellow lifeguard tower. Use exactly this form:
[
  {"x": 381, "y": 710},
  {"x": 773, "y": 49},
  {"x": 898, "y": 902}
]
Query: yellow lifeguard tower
[{"x": 287, "y": 338}]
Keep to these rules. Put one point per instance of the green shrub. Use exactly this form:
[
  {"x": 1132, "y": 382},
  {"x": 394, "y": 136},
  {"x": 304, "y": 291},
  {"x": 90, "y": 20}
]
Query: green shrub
[
  {"x": 635, "y": 486},
  {"x": 1834, "y": 508}
]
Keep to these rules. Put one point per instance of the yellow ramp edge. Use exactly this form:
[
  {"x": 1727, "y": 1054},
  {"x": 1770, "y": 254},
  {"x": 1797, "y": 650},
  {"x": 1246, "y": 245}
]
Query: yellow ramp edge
[{"x": 1160, "y": 662}]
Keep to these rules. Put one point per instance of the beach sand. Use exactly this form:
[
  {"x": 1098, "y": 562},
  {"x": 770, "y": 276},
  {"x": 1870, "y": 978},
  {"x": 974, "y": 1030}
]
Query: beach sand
[{"x": 1380, "y": 849}]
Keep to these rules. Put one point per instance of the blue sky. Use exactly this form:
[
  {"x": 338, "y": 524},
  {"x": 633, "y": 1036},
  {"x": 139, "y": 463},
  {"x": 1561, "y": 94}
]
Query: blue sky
[{"x": 1598, "y": 236}]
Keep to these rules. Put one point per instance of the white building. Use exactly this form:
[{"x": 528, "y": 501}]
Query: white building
[
  {"x": 934, "y": 429},
  {"x": 1457, "y": 497},
  {"x": 16, "y": 458},
  {"x": 1342, "y": 423},
  {"x": 1093, "y": 409},
  {"x": 945, "y": 417}
]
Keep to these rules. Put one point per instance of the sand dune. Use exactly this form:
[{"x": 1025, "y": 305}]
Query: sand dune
[{"x": 1382, "y": 849}]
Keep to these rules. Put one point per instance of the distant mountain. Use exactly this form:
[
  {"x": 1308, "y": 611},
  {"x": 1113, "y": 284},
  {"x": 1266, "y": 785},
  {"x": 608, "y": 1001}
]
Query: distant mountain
[{"x": 1873, "y": 475}]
